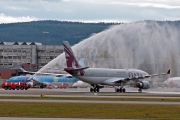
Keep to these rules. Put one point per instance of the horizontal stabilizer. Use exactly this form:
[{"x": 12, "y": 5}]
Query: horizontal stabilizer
[{"x": 74, "y": 69}]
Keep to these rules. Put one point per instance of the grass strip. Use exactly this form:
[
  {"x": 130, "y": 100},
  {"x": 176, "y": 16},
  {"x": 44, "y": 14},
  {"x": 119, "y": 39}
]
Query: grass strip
[
  {"x": 86, "y": 110},
  {"x": 93, "y": 98}
]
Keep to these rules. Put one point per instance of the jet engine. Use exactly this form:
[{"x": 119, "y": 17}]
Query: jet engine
[{"x": 143, "y": 84}]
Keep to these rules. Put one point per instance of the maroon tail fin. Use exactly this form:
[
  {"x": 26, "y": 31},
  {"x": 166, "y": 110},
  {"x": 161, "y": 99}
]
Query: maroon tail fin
[{"x": 70, "y": 58}]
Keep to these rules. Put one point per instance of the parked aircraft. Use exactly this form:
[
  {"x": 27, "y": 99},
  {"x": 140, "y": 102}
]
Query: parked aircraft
[
  {"x": 81, "y": 84},
  {"x": 172, "y": 82},
  {"x": 98, "y": 77},
  {"x": 20, "y": 79},
  {"x": 43, "y": 81}
]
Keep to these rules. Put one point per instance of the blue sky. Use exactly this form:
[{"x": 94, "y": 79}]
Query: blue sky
[{"x": 89, "y": 10}]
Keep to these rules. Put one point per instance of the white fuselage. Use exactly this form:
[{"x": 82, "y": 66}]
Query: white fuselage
[{"x": 100, "y": 75}]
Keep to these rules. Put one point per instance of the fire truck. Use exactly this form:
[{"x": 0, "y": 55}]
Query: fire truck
[{"x": 15, "y": 85}]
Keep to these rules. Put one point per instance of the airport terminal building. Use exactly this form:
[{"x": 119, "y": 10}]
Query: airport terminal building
[{"x": 32, "y": 53}]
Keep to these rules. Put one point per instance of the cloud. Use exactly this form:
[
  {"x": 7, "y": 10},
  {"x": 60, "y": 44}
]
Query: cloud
[
  {"x": 155, "y": 5},
  {"x": 166, "y": 4},
  {"x": 90, "y": 10},
  {"x": 11, "y": 19},
  {"x": 16, "y": 8},
  {"x": 53, "y": 0}
]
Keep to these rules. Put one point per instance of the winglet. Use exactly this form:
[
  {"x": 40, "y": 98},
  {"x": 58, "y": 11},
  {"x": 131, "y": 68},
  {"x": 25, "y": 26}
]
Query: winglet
[{"x": 168, "y": 71}]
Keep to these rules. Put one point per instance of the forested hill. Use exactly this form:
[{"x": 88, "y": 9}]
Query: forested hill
[{"x": 58, "y": 31}]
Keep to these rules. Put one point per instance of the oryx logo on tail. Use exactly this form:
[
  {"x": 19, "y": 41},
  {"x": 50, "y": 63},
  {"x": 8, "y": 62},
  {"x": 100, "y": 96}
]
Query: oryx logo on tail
[
  {"x": 73, "y": 67},
  {"x": 70, "y": 58}
]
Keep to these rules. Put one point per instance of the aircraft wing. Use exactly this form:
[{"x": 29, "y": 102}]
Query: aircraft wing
[
  {"x": 37, "y": 82},
  {"x": 137, "y": 77},
  {"x": 114, "y": 81},
  {"x": 161, "y": 74},
  {"x": 59, "y": 75}
]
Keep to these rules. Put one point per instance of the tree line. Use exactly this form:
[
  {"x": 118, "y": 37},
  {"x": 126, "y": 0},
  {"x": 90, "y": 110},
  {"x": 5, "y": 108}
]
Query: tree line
[{"x": 57, "y": 31}]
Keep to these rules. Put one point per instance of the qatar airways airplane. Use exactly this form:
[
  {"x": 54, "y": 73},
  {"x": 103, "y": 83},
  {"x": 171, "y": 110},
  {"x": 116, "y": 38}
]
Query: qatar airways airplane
[{"x": 98, "y": 77}]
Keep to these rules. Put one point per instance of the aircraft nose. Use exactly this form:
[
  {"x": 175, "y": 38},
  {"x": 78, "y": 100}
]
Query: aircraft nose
[{"x": 74, "y": 85}]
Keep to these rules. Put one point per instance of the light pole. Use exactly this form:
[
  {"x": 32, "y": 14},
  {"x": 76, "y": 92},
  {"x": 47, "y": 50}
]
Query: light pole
[{"x": 45, "y": 32}]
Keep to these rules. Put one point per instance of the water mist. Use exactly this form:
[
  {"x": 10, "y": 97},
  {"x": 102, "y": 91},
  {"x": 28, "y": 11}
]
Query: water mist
[{"x": 150, "y": 46}]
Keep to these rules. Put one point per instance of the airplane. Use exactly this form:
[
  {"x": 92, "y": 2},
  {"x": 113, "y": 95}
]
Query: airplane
[
  {"x": 43, "y": 81},
  {"x": 81, "y": 84},
  {"x": 98, "y": 77},
  {"x": 172, "y": 82}
]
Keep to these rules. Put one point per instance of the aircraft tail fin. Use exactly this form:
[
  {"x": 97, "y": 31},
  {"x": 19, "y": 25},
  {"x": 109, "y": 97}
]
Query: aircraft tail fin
[
  {"x": 70, "y": 58},
  {"x": 73, "y": 67}
]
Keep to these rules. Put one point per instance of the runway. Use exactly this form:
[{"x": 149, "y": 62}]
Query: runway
[
  {"x": 105, "y": 93},
  {"x": 85, "y": 92}
]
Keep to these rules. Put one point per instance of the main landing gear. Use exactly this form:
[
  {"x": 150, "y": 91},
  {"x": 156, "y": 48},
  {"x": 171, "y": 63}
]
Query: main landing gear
[
  {"x": 95, "y": 88},
  {"x": 120, "y": 90}
]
